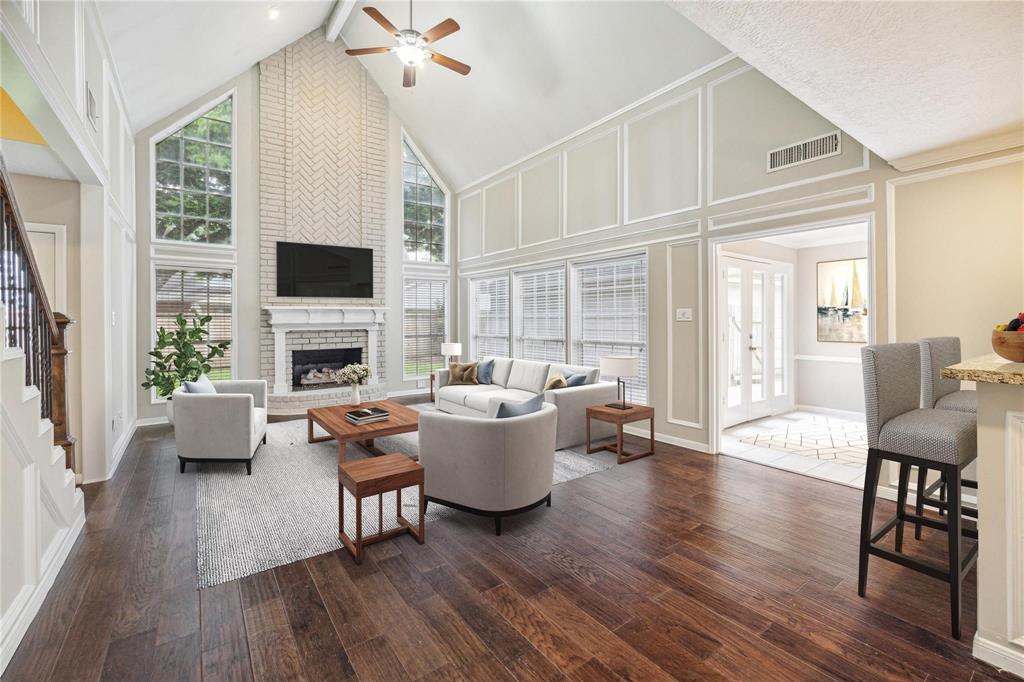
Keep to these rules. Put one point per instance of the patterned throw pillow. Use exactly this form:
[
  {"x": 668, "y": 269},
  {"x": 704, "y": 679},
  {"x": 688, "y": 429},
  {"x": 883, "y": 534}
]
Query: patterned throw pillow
[
  {"x": 462, "y": 373},
  {"x": 484, "y": 371},
  {"x": 573, "y": 379},
  {"x": 511, "y": 409},
  {"x": 200, "y": 385},
  {"x": 557, "y": 381}
]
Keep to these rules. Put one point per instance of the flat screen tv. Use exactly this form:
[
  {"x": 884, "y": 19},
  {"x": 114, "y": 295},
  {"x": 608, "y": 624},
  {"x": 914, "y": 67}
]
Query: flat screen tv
[{"x": 324, "y": 271}]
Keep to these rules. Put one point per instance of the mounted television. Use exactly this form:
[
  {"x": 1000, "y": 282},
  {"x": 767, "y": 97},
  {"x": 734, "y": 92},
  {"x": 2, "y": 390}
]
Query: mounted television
[{"x": 317, "y": 270}]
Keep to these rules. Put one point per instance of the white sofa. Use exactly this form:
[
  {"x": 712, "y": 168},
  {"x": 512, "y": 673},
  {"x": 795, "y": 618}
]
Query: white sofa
[
  {"x": 516, "y": 380},
  {"x": 491, "y": 467},
  {"x": 226, "y": 426}
]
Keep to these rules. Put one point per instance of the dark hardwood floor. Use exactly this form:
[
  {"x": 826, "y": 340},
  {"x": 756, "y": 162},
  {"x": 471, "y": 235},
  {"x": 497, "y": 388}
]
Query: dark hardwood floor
[{"x": 681, "y": 565}]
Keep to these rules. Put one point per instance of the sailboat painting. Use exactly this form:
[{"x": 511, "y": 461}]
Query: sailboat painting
[{"x": 843, "y": 300}]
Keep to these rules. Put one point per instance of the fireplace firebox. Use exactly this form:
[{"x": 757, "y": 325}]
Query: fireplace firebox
[{"x": 316, "y": 368}]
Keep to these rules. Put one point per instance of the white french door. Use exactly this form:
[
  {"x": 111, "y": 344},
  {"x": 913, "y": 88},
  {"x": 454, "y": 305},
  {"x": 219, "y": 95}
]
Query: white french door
[{"x": 755, "y": 337}]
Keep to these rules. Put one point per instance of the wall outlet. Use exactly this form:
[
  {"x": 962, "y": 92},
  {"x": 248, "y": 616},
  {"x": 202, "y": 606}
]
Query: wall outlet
[{"x": 684, "y": 314}]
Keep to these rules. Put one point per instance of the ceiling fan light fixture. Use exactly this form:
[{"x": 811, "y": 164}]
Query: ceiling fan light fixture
[{"x": 411, "y": 55}]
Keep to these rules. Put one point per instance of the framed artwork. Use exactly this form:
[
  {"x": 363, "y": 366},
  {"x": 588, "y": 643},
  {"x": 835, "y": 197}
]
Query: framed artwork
[{"x": 843, "y": 301}]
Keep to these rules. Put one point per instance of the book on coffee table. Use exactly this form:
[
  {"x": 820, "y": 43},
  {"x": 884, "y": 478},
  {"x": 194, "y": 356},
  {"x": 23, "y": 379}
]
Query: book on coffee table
[{"x": 367, "y": 415}]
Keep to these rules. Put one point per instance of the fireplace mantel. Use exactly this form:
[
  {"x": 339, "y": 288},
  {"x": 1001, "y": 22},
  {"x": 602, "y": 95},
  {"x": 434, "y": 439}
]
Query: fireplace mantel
[{"x": 296, "y": 318}]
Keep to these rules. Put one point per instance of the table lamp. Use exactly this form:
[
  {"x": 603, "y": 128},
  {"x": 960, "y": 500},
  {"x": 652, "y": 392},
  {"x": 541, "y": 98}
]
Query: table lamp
[
  {"x": 620, "y": 366},
  {"x": 450, "y": 349}
]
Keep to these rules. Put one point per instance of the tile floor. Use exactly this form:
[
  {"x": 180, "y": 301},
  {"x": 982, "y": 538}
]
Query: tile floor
[{"x": 815, "y": 444}]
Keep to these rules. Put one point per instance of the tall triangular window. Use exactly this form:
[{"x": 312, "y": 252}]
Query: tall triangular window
[
  {"x": 425, "y": 217},
  {"x": 193, "y": 193}
]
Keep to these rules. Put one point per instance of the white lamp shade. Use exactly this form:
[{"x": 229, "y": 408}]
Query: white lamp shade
[
  {"x": 451, "y": 349},
  {"x": 620, "y": 366}
]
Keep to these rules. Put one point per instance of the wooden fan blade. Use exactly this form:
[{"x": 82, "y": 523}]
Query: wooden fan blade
[
  {"x": 368, "y": 50},
  {"x": 445, "y": 28},
  {"x": 449, "y": 63},
  {"x": 409, "y": 76},
  {"x": 375, "y": 14}
]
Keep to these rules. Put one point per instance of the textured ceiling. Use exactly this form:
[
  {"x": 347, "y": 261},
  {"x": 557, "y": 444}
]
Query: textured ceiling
[
  {"x": 541, "y": 70},
  {"x": 903, "y": 78},
  {"x": 168, "y": 53}
]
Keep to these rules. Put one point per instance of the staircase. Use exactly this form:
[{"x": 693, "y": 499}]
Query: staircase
[{"x": 41, "y": 510}]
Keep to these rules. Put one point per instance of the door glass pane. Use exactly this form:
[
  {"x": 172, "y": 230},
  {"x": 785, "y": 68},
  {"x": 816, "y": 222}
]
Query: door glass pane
[
  {"x": 779, "y": 334},
  {"x": 757, "y": 336},
  {"x": 734, "y": 283}
]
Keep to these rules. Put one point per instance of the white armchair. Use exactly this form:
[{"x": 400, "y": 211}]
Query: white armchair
[
  {"x": 226, "y": 426},
  {"x": 490, "y": 467}
]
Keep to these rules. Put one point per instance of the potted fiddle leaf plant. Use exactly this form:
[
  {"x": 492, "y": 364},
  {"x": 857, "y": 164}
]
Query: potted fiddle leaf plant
[{"x": 176, "y": 358}]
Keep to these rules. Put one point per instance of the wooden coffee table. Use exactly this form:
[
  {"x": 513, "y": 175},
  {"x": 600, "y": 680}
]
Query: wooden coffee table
[
  {"x": 612, "y": 415},
  {"x": 332, "y": 420}
]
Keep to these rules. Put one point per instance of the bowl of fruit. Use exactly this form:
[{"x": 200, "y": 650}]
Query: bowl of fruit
[{"x": 1008, "y": 339}]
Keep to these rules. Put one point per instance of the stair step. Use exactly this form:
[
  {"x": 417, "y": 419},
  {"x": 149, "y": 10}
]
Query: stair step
[
  {"x": 13, "y": 353},
  {"x": 44, "y": 426},
  {"x": 28, "y": 393},
  {"x": 58, "y": 454}
]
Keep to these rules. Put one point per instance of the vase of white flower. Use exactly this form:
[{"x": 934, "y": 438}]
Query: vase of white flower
[{"x": 354, "y": 375}]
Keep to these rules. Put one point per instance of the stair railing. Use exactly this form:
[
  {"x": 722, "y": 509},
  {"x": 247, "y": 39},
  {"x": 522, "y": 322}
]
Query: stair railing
[{"x": 31, "y": 324}]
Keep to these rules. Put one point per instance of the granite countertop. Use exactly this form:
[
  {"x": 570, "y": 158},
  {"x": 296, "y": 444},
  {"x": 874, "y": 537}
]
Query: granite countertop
[{"x": 990, "y": 369}]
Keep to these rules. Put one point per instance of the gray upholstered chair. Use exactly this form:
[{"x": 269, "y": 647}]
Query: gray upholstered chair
[
  {"x": 486, "y": 466},
  {"x": 226, "y": 426},
  {"x": 899, "y": 430},
  {"x": 943, "y": 394}
]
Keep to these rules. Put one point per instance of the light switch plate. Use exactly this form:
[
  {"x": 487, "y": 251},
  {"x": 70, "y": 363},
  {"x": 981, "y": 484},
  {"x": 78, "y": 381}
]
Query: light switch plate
[{"x": 684, "y": 314}]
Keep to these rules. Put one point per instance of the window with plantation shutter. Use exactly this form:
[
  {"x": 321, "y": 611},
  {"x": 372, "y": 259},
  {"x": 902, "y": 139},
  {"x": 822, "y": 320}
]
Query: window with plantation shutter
[
  {"x": 195, "y": 293},
  {"x": 540, "y": 315},
  {"x": 489, "y": 317},
  {"x": 423, "y": 325},
  {"x": 610, "y": 315},
  {"x": 193, "y": 188}
]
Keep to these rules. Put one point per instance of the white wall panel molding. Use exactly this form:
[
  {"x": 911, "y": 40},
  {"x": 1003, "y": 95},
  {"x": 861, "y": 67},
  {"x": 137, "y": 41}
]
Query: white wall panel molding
[
  {"x": 698, "y": 305},
  {"x": 713, "y": 200},
  {"x": 500, "y": 219},
  {"x": 471, "y": 220},
  {"x": 592, "y": 167},
  {"x": 540, "y": 220},
  {"x": 639, "y": 135},
  {"x": 790, "y": 208}
]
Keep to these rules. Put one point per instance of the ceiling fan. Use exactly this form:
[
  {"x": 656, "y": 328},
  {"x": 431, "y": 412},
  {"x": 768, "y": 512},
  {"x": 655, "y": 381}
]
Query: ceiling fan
[{"x": 412, "y": 45}]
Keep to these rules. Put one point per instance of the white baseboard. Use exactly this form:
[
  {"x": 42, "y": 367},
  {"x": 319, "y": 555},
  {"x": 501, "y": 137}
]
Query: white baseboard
[
  {"x": 405, "y": 392},
  {"x": 844, "y": 414},
  {"x": 1001, "y": 656},
  {"x": 665, "y": 438},
  {"x": 24, "y": 609},
  {"x": 150, "y": 421}
]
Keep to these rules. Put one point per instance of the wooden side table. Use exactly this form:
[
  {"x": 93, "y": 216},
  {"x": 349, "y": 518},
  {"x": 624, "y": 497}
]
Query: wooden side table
[
  {"x": 612, "y": 415},
  {"x": 376, "y": 476}
]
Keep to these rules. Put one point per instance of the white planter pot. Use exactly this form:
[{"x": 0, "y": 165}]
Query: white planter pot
[
  {"x": 355, "y": 395},
  {"x": 170, "y": 411}
]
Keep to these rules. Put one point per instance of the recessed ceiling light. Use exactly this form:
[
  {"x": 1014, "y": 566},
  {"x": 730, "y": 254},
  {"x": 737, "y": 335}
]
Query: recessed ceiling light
[{"x": 274, "y": 13}]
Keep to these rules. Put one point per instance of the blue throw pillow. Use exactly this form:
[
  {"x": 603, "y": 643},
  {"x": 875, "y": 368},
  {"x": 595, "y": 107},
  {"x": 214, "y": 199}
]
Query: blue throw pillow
[
  {"x": 510, "y": 409},
  {"x": 572, "y": 379},
  {"x": 484, "y": 370},
  {"x": 201, "y": 385}
]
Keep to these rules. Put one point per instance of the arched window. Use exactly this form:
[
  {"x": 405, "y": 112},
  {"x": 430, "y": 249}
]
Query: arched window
[{"x": 424, "y": 211}]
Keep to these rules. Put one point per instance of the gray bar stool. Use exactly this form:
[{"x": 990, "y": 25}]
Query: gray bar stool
[
  {"x": 942, "y": 394},
  {"x": 901, "y": 431}
]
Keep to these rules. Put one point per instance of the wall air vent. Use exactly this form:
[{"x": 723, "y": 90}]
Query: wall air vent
[{"x": 820, "y": 147}]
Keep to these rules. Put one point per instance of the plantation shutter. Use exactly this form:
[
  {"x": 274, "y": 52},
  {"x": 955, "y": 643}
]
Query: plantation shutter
[
  {"x": 540, "y": 315},
  {"x": 194, "y": 293},
  {"x": 423, "y": 325},
  {"x": 490, "y": 319},
  {"x": 610, "y": 315}
]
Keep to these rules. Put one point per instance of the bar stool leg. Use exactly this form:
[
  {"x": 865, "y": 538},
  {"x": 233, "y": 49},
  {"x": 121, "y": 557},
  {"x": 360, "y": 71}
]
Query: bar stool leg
[
  {"x": 922, "y": 479},
  {"x": 901, "y": 503},
  {"x": 867, "y": 516},
  {"x": 955, "y": 574},
  {"x": 942, "y": 493}
]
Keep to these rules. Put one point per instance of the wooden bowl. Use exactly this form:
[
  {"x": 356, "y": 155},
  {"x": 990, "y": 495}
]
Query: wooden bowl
[{"x": 1009, "y": 345}]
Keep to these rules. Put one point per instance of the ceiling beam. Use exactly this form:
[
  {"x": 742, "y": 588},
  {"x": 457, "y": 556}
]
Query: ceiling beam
[{"x": 339, "y": 15}]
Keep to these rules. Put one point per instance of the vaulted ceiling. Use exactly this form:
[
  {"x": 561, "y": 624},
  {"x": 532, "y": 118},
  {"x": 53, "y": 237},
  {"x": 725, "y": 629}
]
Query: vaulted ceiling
[{"x": 906, "y": 79}]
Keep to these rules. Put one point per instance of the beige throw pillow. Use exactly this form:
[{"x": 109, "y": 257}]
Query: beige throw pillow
[
  {"x": 557, "y": 381},
  {"x": 462, "y": 373}
]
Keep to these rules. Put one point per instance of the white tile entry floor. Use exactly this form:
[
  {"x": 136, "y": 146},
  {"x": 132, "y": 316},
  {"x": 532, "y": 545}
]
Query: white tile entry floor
[{"x": 806, "y": 442}]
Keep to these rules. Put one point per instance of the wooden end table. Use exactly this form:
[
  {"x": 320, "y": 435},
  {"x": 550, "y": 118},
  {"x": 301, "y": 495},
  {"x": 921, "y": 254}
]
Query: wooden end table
[
  {"x": 332, "y": 420},
  {"x": 613, "y": 415},
  {"x": 376, "y": 476}
]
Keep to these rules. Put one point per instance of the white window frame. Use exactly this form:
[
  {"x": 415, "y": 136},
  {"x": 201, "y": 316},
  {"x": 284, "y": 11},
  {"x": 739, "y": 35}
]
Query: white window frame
[
  {"x": 447, "y": 315},
  {"x": 572, "y": 295},
  {"x": 231, "y": 245},
  {"x": 473, "y": 281},
  {"x": 425, "y": 162},
  {"x": 514, "y": 306},
  {"x": 204, "y": 266}
]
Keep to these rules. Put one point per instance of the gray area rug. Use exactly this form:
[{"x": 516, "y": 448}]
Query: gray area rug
[{"x": 288, "y": 509}]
